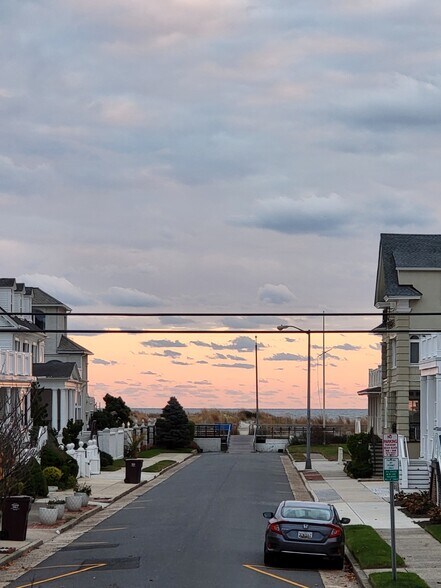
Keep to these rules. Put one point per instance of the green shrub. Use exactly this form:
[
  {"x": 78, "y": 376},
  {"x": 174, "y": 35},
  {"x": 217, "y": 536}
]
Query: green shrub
[
  {"x": 105, "y": 459},
  {"x": 71, "y": 432},
  {"x": 35, "y": 483},
  {"x": 52, "y": 455},
  {"x": 173, "y": 428},
  {"x": 360, "y": 466},
  {"x": 52, "y": 475}
]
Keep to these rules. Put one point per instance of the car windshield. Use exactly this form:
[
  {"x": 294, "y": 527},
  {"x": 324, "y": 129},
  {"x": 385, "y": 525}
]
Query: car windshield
[{"x": 317, "y": 514}]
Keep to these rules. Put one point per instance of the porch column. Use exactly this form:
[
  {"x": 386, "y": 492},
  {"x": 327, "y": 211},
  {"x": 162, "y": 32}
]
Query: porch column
[
  {"x": 54, "y": 418},
  {"x": 431, "y": 394},
  {"x": 64, "y": 408},
  {"x": 423, "y": 418}
]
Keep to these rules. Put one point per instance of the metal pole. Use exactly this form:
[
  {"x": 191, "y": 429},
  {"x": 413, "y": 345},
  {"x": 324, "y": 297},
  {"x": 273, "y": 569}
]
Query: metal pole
[
  {"x": 257, "y": 385},
  {"x": 392, "y": 531},
  {"x": 308, "y": 465},
  {"x": 324, "y": 383}
]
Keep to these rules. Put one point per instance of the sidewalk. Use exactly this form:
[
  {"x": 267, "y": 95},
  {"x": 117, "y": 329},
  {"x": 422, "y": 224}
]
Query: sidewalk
[
  {"x": 367, "y": 503},
  {"x": 106, "y": 488}
]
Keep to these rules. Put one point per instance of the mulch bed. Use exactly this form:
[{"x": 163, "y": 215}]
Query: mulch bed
[
  {"x": 68, "y": 516},
  {"x": 311, "y": 475}
]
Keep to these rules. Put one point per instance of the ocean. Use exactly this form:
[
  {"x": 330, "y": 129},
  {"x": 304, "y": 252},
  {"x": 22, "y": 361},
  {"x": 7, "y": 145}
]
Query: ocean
[{"x": 331, "y": 413}]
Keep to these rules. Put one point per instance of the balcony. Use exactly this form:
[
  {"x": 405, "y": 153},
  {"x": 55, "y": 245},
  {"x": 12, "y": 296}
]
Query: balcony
[
  {"x": 430, "y": 347},
  {"x": 15, "y": 366},
  {"x": 375, "y": 377}
]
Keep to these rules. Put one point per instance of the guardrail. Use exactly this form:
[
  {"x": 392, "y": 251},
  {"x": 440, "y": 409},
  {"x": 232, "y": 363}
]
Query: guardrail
[{"x": 213, "y": 430}]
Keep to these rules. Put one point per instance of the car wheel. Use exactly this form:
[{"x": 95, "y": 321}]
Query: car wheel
[
  {"x": 338, "y": 563},
  {"x": 269, "y": 559}
]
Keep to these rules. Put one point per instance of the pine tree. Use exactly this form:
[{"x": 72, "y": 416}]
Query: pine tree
[{"x": 173, "y": 429}]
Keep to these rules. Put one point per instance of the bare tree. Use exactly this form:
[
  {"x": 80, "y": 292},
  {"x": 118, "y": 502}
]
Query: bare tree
[{"x": 19, "y": 442}]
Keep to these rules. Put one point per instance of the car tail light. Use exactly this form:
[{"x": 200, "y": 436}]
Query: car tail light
[
  {"x": 335, "y": 531},
  {"x": 274, "y": 528}
]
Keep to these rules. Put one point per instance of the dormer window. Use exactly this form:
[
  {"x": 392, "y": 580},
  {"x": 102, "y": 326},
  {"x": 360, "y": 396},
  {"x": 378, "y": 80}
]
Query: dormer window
[
  {"x": 40, "y": 320},
  {"x": 414, "y": 352}
]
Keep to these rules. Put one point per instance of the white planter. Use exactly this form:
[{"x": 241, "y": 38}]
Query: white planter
[
  {"x": 84, "y": 498},
  {"x": 74, "y": 502},
  {"x": 48, "y": 516},
  {"x": 60, "y": 510}
]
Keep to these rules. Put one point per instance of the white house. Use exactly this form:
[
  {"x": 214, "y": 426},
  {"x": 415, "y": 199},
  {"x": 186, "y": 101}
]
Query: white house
[
  {"x": 21, "y": 344},
  {"x": 28, "y": 353}
]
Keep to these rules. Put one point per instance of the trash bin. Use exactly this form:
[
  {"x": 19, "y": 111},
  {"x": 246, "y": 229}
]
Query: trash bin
[
  {"x": 15, "y": 517},
  {"x": 133, "y": 471}
]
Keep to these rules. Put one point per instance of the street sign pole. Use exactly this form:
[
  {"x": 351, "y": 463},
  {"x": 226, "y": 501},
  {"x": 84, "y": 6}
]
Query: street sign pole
[{"x": 391, "y": 471}]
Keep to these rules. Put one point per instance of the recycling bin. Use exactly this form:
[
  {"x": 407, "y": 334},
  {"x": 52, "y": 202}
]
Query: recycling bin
[
  {"x": 15, "y": 517},
  {"x": 133, "y": 471}
]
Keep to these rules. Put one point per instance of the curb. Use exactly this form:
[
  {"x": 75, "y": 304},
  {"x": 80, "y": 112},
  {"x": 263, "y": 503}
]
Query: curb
[{"x": 19, "y": 552}]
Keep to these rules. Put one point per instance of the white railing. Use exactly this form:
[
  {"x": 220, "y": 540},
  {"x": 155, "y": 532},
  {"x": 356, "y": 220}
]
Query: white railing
[
  {"x": 436, "y": 451},
  {"x": 430, "y": 347},
  {"x": 375, "y": 377},
  {"x": 403, "y": 455},
  {"x": 15, "y": 363},
  {"x": 87, "y": 457}
]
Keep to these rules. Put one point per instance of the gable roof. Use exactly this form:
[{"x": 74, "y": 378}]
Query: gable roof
[
  {"x": 7, "y": 282},
  {"x": 404, "y": 251},
  {"x": 20, "y": 323},
  {"x": 55, "y": 369},
  {"x": 66, "y": 345},
  {"x": 44, "y": 299}
]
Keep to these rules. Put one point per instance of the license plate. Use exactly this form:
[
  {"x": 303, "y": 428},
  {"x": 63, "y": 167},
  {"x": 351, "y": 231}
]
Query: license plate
[{"x": 305, "y": 535}]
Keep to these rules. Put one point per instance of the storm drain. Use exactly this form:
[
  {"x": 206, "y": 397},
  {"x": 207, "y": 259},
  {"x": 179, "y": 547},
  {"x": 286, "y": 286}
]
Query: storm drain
[{"x": 118, "y": 563}]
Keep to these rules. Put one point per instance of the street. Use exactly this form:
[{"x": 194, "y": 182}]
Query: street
[{"x": 202, "y": 526}]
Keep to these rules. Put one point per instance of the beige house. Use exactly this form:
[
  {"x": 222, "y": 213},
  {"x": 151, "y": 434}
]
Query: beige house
[{"x": 408, "y": 290}]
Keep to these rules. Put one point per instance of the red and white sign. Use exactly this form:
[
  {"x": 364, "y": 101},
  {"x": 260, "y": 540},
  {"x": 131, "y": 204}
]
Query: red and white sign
[{"x": 390, "y": 445}]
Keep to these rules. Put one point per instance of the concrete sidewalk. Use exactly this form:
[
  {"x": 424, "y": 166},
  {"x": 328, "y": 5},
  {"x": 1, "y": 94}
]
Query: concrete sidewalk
[
  {"x": 106, "y": 488},
  {"x": 367, "y": 502}
]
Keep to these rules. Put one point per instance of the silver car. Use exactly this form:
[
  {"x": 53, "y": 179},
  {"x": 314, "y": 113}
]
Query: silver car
[{"x": 305, "y": 528}]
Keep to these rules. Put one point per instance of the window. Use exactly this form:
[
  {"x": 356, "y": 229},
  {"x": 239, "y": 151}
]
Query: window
[
  {"x": 393, "y": 352},
  {"x": 26, "y": 347},
  {"x": 414, "y": 349},
  {"x": 16, "y": 345},
  {"x": 34, "y": 353}
]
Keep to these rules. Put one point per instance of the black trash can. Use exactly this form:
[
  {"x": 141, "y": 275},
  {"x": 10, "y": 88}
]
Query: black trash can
[
  {"x": 133, "y": 471},
  {"x": 15, "y": 517}
]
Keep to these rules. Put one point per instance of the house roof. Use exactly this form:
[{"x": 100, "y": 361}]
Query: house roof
[
  {"x": 66, "y": 345},
  {"x": 373, "y": 390},
  {"x": 7, "y": 282},
  {"x": 54, "y": 369},
  {"x": 19, "y": 322},
  {"x": 404, "y": 251},
  {"x": 43, "y": 299}
]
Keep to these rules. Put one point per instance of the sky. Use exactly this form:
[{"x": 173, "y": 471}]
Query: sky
[{"x": 207, "y": 156}]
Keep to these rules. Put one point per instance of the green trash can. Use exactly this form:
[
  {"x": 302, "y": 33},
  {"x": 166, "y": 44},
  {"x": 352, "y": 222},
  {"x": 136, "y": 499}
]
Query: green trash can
[
  {"x": 133, "y": 471},
  {"x": 15, "y": 517}
]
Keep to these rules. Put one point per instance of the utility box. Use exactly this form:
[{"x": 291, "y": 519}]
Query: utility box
[
  {"x": 15, "y": 514},
  {"x": 133, "y": 471}
]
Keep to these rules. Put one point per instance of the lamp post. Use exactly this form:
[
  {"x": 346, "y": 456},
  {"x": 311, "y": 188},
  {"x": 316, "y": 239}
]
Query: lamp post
[
  {"x": 308, "y": 465},
  {"x": 257, "y": 392},
  {"x": 323, "y": 354}
]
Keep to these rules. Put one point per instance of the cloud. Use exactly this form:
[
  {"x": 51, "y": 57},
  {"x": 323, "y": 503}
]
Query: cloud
[
  {"x": 275, "y": 294},
  {"x": 286, "y": 357},
  {"x": 242, "y": 366},
  {"x": 168, "y": 353},
  {"x": 116, "y": 296},
  {"x": 60, "y": 288},
  {"x": 348, "y": 347},
  {"x": 325, "y": 215},
  {"x": 99, "y": 361},
  {"x": 242, "y": 344},
  {"x": 163, "y": 343}
]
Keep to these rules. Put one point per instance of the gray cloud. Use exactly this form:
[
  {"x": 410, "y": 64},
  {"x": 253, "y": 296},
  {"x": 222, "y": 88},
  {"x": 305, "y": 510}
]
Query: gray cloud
[
  {"x": 163, "y": 343},
  {"x": 242, "y": 366},
  {"x": 99, "y": 361},
  {"x": 286, "y": 357},
  {"x": 130, "y": 297}
]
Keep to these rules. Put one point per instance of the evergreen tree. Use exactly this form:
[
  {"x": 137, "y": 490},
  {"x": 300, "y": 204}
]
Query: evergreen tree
[
  {"x": 173, "y": 429},
  {"x": 114, "y": 414}
]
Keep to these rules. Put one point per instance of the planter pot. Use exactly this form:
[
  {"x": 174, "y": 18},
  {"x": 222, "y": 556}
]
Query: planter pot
[
  {"x": 84, "y": 498},
  {"x": 48, "y": 516},
  {"x": 60, "y": 510},
  {"x": 74, "y": 503},
  {"x": 52, "y": 488}
]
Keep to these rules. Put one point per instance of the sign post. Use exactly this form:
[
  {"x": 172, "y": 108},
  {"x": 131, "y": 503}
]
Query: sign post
[{"x": 391, "y": 472}]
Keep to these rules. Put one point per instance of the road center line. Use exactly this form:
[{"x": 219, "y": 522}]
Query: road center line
[{"x": 274, "y": 576}]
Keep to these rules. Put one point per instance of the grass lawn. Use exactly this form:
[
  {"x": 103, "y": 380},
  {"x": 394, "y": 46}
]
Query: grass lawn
[
  {"x": 330, "y": 451},
  {"x": 159, "y": 465},
  {"x": 368, "y": 548},
  {"x": 434, "y": 530},
  {"x": 154, "y": 452},
  {"x": 117, "y": 465},
  {"x": 404, "y": 580}
]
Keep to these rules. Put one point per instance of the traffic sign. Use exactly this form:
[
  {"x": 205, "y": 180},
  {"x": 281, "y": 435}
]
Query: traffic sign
[
  {"x": 391, "y": 469},
  {"x": 390, "y": 445}
]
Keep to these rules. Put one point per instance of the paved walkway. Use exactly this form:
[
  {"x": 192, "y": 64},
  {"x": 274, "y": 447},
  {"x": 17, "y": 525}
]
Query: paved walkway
[{"x": 367, "y": 503}]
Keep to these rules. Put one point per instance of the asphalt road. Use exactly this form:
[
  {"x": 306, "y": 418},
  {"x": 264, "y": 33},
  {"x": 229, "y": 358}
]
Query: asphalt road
[{"x": 200, "y": 528}]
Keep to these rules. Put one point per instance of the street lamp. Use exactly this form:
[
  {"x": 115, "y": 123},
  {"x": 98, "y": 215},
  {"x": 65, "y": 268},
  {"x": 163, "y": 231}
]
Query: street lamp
[
  {"x": 308, "y": 465},
  {"x": 323, "y": 354}
]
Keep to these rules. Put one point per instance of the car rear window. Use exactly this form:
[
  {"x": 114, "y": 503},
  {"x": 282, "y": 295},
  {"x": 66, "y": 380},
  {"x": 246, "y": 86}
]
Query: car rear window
[{"x": 317, "y": 514}]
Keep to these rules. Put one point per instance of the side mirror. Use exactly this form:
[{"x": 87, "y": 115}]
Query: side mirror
[
  {"x": 268, "y": 515},
  {"x": 345, "y": 521}
]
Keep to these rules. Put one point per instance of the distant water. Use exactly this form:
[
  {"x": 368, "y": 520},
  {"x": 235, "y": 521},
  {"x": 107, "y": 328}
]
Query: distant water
[{"x": 331, "y": 413}]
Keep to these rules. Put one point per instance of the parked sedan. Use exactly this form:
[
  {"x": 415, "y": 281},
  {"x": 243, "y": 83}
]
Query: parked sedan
[{"x": 305, "y": 528}]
